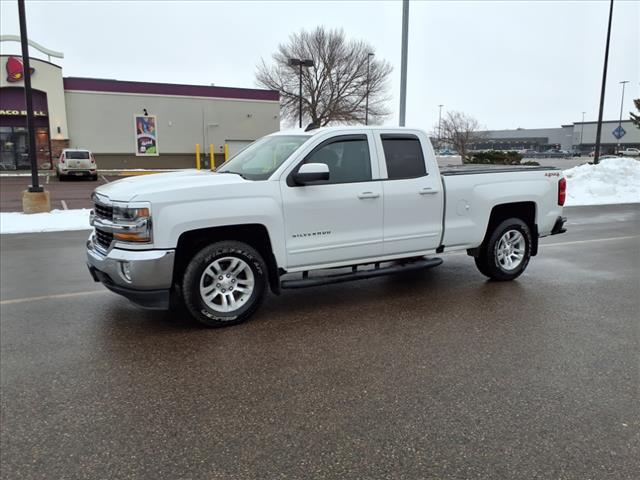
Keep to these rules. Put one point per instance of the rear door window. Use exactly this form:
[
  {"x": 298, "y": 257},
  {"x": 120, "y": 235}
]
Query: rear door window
[
  {"x": 403, "y": 156},
  {"x": 77, "y": 155}
]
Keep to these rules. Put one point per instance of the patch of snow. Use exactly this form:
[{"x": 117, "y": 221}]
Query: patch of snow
[
  {"x": 613, "y": 180},
  {"x": 56, "y": 220}
]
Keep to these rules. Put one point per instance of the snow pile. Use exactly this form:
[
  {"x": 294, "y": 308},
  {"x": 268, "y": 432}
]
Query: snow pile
[
  {"x": 56, "y": 220},
  {"x": 613, "y": 180}
]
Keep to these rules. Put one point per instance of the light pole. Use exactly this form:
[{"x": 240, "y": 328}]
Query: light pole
[
  {"x": 623, "y": 83},
  {"x": 596, "y": 154},
  {"x": 28, "y": 93},
  {"x": 366, "y": 105},
  {"x": 298, "y": 62},
  {"x": 440, "y": 126},
  {"x": 581, "y": 130},
  {"x": 403, "y": 61}
]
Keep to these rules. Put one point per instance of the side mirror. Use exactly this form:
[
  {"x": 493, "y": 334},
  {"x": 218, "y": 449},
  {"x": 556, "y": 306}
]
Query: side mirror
[{"x": 311, "y": 172}]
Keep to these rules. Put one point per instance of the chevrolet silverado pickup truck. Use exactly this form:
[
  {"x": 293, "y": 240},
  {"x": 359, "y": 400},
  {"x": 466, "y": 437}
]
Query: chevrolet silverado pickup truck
[{"x": 305, "y": 208}]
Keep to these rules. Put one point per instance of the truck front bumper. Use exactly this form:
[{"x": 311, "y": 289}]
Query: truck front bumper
[{"x": 142, "y": 276}]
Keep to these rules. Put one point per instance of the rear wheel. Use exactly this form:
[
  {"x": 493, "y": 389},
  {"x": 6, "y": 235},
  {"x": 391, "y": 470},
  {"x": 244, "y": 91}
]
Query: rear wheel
[
  {"x": 224, "y": 284},
  {"x": 506, "y": 253}
]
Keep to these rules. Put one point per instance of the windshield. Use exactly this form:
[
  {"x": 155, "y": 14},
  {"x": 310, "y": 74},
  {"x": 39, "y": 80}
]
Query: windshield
[{"x": 263, "y": 157}]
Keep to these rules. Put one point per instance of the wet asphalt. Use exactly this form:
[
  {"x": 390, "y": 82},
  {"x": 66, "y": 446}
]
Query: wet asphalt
[{"x": 435, "y": 374}]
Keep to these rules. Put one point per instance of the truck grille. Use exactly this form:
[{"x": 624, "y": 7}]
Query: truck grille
[
  {"x": 104, "y": 239},
  {"x": 101, "y": 210}
]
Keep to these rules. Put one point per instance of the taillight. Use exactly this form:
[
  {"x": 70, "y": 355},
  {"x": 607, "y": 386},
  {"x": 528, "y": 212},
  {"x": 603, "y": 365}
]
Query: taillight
[
  {"x": 62, "y": 159},
  {"x": 93, "y": 160},
  {"x": 562, "y": 191}
]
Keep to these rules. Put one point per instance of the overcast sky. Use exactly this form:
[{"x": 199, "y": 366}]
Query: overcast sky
[{"x": 507, "y": 63}]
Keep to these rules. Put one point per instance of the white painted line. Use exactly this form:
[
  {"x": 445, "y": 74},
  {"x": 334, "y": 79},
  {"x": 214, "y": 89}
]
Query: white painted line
[
  {"x": 51, "y": 297},
  {"x": 64, "y": 204},
  {"x": 104, "y": 178},
  {"x": 577, "y": 242}
]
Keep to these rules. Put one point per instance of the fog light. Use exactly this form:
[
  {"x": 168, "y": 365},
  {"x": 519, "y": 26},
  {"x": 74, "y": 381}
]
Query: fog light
[{"x": 125, "y": 267}]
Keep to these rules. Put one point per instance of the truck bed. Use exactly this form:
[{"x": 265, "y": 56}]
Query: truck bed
[{"x": 472, "y": 169}]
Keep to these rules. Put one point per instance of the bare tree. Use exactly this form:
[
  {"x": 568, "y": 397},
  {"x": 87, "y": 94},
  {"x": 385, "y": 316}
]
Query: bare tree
[
  {"x": 460, "y": 131},
  {"x": 335, "y": 90}
]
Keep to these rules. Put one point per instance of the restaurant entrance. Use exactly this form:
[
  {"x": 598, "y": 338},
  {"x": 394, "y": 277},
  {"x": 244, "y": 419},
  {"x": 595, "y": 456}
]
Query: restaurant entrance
[{"x": 14, "y": 148}]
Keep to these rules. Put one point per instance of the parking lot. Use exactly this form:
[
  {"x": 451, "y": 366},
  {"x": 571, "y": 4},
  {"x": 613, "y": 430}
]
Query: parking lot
[{"x": 439, "y": 374}]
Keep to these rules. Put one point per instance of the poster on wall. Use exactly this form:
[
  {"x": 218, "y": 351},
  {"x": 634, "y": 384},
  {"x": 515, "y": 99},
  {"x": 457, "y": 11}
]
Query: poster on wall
[{"x": 146, "y": 136}]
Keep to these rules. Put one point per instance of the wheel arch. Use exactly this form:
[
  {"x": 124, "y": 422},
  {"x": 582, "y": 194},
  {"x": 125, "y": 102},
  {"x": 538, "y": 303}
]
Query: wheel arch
[
  {"x": 525, "y": 211},
  {"x": 255, "y": 235}
]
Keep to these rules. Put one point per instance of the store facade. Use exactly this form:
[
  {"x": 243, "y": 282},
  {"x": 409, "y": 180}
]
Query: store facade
[{"x": 126, "y": 124}]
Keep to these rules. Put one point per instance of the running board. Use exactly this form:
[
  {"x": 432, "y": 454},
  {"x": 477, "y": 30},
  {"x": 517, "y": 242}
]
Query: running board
[{"x": 305, "y": 281}]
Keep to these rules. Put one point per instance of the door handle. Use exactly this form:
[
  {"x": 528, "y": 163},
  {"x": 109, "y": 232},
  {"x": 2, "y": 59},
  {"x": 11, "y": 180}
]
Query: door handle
[
  {"x": 427, "y": 191},
  {"x": 364, "y": 195}
]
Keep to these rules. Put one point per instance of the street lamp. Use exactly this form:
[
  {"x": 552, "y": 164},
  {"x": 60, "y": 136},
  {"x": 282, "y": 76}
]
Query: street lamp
[
  {"x": 623, "y": 83},
  {"x": 596, "y": 153},
  {"x": 366, "y": 105},
  {"x": 581, "y": 130},
  {"x": 440, "y": 126},
  {"x": 298, "y": 62}
]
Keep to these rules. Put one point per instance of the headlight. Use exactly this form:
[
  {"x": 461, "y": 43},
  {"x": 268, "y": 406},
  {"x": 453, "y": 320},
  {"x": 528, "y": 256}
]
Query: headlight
[{"x": 132, "y": 223}]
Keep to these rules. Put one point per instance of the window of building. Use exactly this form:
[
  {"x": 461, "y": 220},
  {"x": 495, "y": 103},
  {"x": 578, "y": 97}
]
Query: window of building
[{"x": 404, "y": 157}]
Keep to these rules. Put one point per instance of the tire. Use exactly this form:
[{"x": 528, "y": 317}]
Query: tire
[
  {"x": 238, "y": 267},
  {"x": 507, "y": 251},
  {"x": 94, "y": 178}
]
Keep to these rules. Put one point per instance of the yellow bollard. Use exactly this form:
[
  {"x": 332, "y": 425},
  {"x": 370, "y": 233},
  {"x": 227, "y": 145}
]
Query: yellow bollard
[
  {"x": 212, "y": 158},
  {"x": 198, "y": 156},
  {"x": 226, "y": 152}
]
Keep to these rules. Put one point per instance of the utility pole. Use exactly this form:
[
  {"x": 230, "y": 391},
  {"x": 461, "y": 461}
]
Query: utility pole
[
  {"x": 366, "y": 105},
  {"x": 581, "y": 130},
  {"x": 440, "y": 127},
  {"x": 596, "y": 156},
  {"x": 624, "y": 82},
  {"x": 403, "y": 62}
]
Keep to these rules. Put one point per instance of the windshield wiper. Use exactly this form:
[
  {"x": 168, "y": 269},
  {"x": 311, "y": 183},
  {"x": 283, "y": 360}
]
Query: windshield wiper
[{"x": 235, "y": 173}]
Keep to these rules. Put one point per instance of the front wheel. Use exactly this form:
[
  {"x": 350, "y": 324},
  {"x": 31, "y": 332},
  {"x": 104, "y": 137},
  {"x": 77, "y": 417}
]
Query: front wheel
[
  {"x": 224, "y": 284},
  {"x": 506, "y": 253}
]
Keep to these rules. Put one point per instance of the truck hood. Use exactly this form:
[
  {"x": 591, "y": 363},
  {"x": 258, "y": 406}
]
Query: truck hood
[{"x": 143, "y": 187}]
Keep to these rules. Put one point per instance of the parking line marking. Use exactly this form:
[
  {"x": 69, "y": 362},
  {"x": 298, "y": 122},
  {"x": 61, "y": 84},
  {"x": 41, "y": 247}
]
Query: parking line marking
[
  {"x": 51, "y": 297},
  {"x": 64, "y": 204},
  {"x": 104, "y": 178},
  {"x": 576, "y": 242}
]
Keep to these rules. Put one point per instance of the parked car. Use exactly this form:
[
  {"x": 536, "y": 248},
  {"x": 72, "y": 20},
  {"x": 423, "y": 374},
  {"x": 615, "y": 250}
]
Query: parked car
[
  {"x": 369, "y": 199},
  {"x": 447, "y": 151},
  {"x": 528, "y": 152},
  {"x": 76, "y": 163},
  {"x": 630, "y": 152}
]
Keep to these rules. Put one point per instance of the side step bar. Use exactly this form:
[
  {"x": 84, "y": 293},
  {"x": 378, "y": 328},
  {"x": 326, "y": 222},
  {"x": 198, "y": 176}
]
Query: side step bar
[{"x": 305, "y": 281}]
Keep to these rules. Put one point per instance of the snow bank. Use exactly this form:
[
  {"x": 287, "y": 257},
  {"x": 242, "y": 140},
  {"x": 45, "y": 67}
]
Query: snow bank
[
  {"x": 56, "y": 220},
  {"x": 613, "y": 180}
]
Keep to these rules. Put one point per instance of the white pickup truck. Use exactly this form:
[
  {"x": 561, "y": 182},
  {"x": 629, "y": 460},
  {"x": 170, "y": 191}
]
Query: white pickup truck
[{"x": 298, "y": 209}]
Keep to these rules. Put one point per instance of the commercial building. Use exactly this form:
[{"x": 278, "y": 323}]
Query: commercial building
[
  {"x": 126, "y": 124},
  {"x": 580, "y": 136}
]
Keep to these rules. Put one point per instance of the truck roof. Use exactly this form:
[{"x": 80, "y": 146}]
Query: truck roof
[{"x": 316, "y": 131}]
